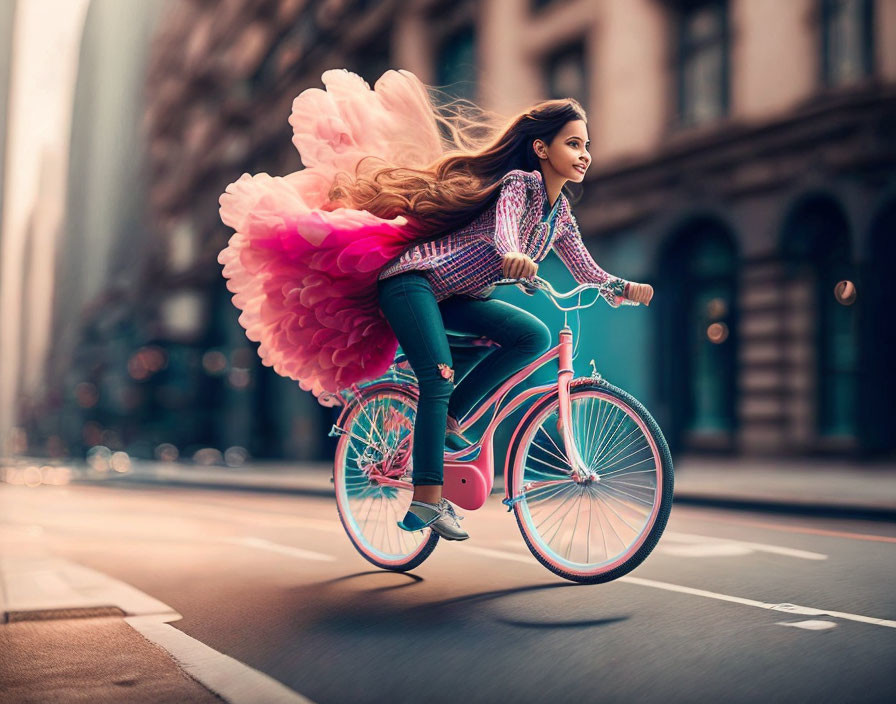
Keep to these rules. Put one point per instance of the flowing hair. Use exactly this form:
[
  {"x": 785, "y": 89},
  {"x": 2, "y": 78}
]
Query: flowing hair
[{"x": 479, "y": 148}]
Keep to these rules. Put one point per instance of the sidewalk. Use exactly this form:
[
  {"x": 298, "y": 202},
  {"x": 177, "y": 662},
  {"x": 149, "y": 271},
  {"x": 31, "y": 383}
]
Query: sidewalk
[
  {"x": 809, "y": 486},
  {"x": 70, "y": 633}
]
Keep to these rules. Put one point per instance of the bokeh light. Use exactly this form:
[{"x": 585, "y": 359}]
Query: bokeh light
[
  {"x": 120, "y": 462},
  {"x": 717, "y": 333},
  {"x": 166, "y": 452},
  {"x": 99, "y": 458},
  {"x": 236, "y": 456},
  {"x": 845, "y": 292},
  {"x": 208, "y": 456},
  {"x": 214, "y": 362},
  {"x": 86, "y": 395}
]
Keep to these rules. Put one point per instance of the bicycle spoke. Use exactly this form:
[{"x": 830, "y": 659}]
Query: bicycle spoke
[
  {"x": 635, "y": 464},
  {"x": 610, "y": 523},
  {"x": 607, "y": 487},
  {"x": 572, "y": 535},
  {"x": 591, "y": 429},
  {"x": 562, "y": 456},
  {"x": 603, "y": 531},
  {"x": 561, "y": 470},
  {"x": 650, "y": 489},
  {"x": 612, "y": 433},
  {"x": 606, "y": 495},
  {"x": 636, "y": 431},
  {"x": 545, "y": 493},
  {"x": 588, "y": 534},
  {"x": 561, "y": 505},
  {"x": 615, "y": 445},
  {"x": 380, "y": 427}
]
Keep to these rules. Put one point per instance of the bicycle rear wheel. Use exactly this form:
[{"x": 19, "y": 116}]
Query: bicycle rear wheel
[
  {"x": 376, "y": 441},
  {"x": 601, "y": 528}
]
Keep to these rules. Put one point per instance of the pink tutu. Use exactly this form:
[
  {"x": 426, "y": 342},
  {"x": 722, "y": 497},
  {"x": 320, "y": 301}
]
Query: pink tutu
[{"x": 304, "y": 273}]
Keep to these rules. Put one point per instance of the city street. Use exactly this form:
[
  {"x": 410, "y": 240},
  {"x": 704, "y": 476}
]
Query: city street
[{"x": 732, "y": 606}]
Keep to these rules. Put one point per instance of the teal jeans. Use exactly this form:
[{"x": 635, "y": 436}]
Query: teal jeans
[{"x": 454, "y": 380}]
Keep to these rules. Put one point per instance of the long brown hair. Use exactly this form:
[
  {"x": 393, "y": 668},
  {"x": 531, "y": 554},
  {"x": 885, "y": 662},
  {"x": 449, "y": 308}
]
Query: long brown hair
[{"x": 479, "y": 148}]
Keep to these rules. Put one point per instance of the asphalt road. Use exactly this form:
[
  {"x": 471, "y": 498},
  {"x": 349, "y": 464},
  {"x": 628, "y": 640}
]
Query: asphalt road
[{"x": 273, "y": 582}]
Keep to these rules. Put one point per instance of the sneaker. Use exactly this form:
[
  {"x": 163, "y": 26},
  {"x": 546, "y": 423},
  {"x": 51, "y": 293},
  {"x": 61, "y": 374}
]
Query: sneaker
[{"x": 440, "y": 517}]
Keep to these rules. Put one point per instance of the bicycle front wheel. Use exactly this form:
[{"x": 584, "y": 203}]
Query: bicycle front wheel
[
  {"x": 601, "y": 527},
  {"x": 375, "y": 442}
]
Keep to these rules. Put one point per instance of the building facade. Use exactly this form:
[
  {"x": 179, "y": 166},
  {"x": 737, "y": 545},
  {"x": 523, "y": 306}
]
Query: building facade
[{"x": 743, "y": 164}]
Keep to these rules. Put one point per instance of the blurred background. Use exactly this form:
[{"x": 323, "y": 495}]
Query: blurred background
[{"x": 744, "y": 155}]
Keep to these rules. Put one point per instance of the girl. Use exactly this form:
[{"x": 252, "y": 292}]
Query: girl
[{"x": 396, "y": 231}]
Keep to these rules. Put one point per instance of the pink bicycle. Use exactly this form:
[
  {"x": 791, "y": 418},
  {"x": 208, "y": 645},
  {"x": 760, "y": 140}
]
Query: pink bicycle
[{"x": 588, "y": 472}]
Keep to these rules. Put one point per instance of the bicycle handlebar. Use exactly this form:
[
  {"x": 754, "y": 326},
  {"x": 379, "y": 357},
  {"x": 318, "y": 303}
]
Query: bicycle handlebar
[{"x": 539, "y": 284}]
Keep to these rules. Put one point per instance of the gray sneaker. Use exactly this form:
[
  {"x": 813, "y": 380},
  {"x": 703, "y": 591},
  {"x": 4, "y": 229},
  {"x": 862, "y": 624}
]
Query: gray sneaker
[{"x": 442, "y": 519}]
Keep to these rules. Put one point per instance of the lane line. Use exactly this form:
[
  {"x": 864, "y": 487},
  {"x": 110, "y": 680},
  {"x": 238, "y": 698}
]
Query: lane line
[
  {"x": 703, "y": 549},
  {"x": 262, "y": 544},
  {"x": 708, "y": 546},
  {"x": 789, "y": 608},
  {"x": 227, "y": 677},
  {"x": 760, "y": 547},
  {"x": 794, "y": 529},
  {"x": 487, "y": 552},
  {"x": 810, "y": 625}
]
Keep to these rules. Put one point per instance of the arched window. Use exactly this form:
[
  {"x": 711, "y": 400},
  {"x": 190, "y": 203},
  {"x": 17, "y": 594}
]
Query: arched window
[
  {"x": 698, "y": 336},
  {"x": 816, "y": 250}
]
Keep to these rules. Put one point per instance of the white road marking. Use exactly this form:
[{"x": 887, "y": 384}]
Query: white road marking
[
  {"x": 708, "y": 546},
  {"x": 790, "y": 608},
  {"x": 228, "y": 678},
  {"x": 262, "y": 544},
  {"x": 760, "y": 547},
  {"x": 705, "y": 550},
  {"x": 810, "y": 625},
  {"x": 529, "y": 559},
  {"x": 49, "y": 583},
  {"x": 46, "y": 583}
]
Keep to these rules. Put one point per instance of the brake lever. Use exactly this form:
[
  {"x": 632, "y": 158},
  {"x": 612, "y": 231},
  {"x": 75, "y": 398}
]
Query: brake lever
[{"x": 528, "y": 288}]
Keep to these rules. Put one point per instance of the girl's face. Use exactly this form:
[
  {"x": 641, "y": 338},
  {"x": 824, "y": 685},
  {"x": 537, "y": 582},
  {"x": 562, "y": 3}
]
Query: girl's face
[{"x": 567, "y": 154}]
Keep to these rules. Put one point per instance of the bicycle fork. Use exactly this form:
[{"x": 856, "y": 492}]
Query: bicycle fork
[{"x": 580, "y": 470}]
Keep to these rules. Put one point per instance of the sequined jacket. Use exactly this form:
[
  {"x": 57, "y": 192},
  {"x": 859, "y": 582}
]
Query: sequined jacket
[{"x": 468, "y": 261}]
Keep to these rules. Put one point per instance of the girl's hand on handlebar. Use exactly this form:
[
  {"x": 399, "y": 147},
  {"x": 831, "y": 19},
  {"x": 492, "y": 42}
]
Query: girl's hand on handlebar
[
  {"x": 639, "y": 293},
  {"x": 517, "y": 265}
]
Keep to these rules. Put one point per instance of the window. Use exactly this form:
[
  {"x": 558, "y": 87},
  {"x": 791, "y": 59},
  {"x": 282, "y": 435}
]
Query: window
[
  {"x": 702, "y": 63},
  {"x": 456, "y": 64},
  {"x": 566, "y": 77},
  {"x": 846, "y": 41},
  {"x": 816, "y": 249},
  {"x": 541, "y": 4},
  {"x": 698, "y": 330}
]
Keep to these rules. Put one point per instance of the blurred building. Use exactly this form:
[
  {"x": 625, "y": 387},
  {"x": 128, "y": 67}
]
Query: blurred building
[
  {"x": 90, "y": 210},
  {"x": 744, "y": 165},
  {"x": 7, "y": 14}
]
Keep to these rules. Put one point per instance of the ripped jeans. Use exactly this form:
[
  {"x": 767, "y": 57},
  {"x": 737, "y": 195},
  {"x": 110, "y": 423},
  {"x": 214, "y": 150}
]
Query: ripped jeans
[{"x": 454, "y": 381}]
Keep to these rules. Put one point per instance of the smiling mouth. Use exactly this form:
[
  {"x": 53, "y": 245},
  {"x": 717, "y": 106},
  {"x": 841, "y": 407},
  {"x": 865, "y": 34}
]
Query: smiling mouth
[{"x": 580, "y": 169}]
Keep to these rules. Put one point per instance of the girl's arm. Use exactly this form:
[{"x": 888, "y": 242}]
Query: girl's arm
[
  {"x": 508, "y": 213},
  {"x": 573, "y": 253}
]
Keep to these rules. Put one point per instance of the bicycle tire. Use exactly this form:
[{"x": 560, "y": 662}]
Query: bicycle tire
[
  {"x": 343, "y": 476},
  {"x": 659, "y": 515}
]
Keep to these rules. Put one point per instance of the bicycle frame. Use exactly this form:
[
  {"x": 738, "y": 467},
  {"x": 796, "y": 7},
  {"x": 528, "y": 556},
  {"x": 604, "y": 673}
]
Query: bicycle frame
[{"x": 468, "y": 482}]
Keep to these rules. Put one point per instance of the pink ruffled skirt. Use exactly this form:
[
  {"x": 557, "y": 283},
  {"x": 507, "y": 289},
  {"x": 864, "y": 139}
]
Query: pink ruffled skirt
[{"x": 303, "y": 273}]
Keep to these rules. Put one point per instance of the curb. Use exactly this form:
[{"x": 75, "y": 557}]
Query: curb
[
  {"x": 819, "y": 510},
  {"x": 324, "y": 489}
]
